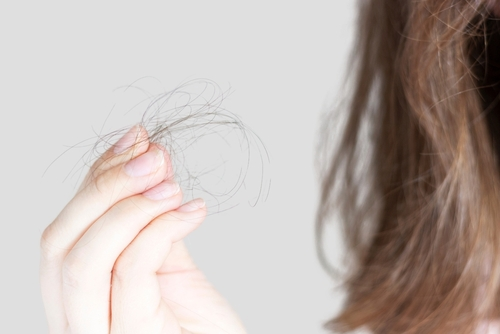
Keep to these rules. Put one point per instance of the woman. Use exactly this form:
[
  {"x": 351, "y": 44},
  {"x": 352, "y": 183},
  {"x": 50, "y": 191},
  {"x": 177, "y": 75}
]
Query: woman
[
  {"x": 417, "y": 175},
  {"x": 420, "y": 198}
]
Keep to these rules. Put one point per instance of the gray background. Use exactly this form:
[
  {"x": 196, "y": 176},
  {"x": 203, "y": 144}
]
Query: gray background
[{"x": 284, "y": 60}]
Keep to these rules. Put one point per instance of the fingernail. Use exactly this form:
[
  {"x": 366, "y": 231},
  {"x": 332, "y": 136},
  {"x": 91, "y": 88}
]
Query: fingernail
[
  {"x": 145, "y": 164},
  {"x": 128, "y": 140},
  {"x": 163, "y": 191},
  {"x": 194, "y": 205}
]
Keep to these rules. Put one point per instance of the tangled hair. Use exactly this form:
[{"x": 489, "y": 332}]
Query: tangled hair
[
  {"x": 415, "y": 176},
  {"x": 214, "y": 154}
]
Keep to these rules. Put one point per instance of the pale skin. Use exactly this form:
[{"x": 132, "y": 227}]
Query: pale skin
[{"x": 114, "y": 261}]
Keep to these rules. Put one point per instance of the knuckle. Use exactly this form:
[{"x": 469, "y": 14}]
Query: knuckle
[
  {"x": 74, "y": 271},
  {"x": 111, "y": 182},
  {"x": 105, "y": 163},
  {"x": 89, "y": 178},
  {"x": 124, "y": 266},
  {"x": 70, "y": 278},
  {"x": 45, "y": 238},
  {"x": 48, "y": 250},
  {"x": 101, "y": 164},
  {"x": 100, "y": 183}
]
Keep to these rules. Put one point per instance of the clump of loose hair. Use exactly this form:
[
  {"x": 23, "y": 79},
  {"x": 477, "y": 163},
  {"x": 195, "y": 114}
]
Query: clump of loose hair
[
  {"x": 415, "y": 175},
  {"x": 215, "y": 155}
]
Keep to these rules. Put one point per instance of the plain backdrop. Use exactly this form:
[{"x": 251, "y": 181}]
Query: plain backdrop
[{"x": 60, "y": 65}]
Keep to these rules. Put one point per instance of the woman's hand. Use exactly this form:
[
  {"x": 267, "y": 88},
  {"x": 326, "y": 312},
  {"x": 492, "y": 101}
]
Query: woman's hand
[{"x": 113, "y": 261}]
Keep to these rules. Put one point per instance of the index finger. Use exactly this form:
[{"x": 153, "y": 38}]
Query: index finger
[
  {"x": 87, "y": 206},
  {"x": 134, "y": 143}
]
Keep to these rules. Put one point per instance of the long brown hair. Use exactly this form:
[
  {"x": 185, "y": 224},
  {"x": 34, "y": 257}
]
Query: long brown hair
[{"x": 415, "y": 176}]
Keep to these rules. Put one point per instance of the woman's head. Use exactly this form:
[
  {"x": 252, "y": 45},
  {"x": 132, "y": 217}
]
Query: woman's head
[{"x": 416, "y": 174}]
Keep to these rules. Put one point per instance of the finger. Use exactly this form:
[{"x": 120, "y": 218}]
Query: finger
[
  {"x": 85, "y": 208},
  {"x": 178, "y": 260},
  {"x": 134, "y": 143},
  {"x": 134, "y": 280},
  {"x": 122, "y": 181},
  {"x": 87, "y": 268}
]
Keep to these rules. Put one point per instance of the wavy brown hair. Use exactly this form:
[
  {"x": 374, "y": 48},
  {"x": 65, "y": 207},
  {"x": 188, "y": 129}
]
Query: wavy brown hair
[{"x": 415, "y": 176}]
